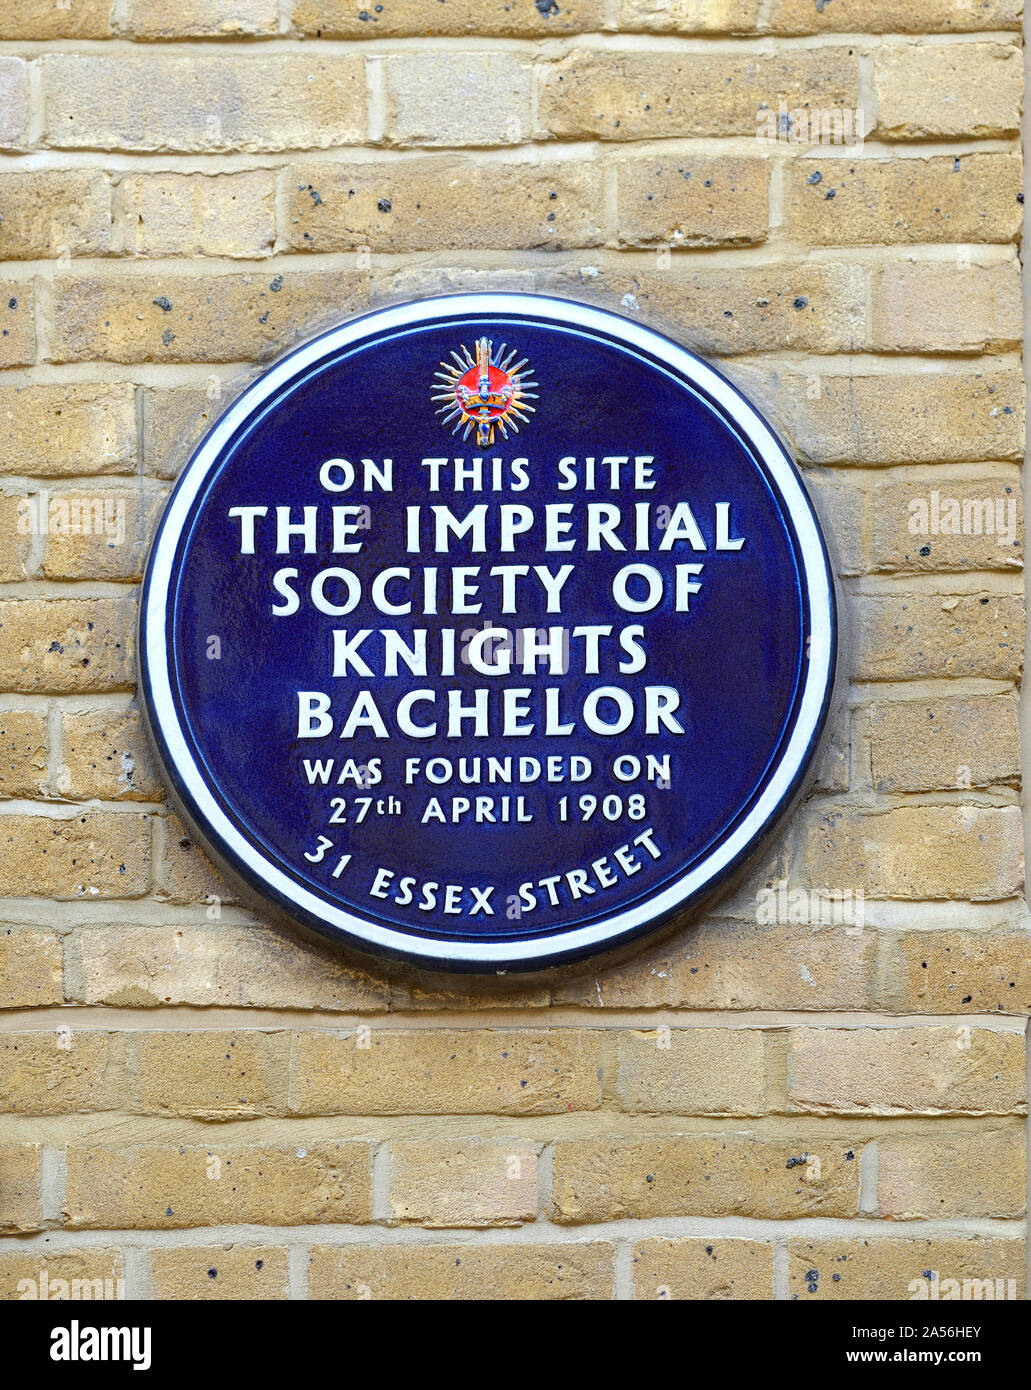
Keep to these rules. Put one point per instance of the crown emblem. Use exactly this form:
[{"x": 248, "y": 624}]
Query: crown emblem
[{"x": 485, "y": 392}]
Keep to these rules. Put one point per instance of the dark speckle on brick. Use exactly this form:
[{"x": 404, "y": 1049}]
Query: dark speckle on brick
[
  {"x": 168, "y": 337},
  {"x": 164, "y": 303},
  {"x": 547, "y": 7},
  {"x": 384, "y": 205},
  {"x": 801, "y": 302},
  {"x": 276, "y": 285},
  {"x": 815, "y": 177}
]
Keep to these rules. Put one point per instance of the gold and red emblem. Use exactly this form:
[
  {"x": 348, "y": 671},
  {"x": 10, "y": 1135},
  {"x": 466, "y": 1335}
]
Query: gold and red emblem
[{"x": 484, "y": 392}]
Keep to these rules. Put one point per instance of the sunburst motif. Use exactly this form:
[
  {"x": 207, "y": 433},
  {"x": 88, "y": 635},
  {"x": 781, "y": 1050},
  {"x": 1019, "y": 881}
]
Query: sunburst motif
[{"x": 484, "y": 392}]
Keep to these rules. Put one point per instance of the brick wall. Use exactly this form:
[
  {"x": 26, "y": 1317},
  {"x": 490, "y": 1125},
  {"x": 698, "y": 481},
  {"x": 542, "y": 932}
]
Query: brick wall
[{"x": 207, "y": 1106}]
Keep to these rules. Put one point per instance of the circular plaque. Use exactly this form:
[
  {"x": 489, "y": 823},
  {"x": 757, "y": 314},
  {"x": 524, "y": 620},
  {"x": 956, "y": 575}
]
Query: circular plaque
[{"x": 487, "y": 632}]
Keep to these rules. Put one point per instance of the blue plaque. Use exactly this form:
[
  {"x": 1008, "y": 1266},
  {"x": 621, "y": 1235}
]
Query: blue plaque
[{"x": 487, "y": 632}]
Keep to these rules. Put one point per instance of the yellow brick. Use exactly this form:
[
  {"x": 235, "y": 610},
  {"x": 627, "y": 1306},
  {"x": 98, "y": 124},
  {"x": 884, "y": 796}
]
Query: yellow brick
[
  {"x": 30, "y": 968},
  {"x": 19, "y": 1187},
  {"x": 723, "y": 1268},
  {"x": 838, "y": 201},
  {"x": 912, "y": 852},
  {"x": 688, "y": 17},
  {"x": 457, "y": 1273},
  {"x": 846, "y": 1268},
  {"x": 981, "y": 1174},
  {"x": 341, "y": 19},
  {"x": 102, "y": 534},
  {"x": 686, "y": 201},
  {"x": 17, "y": 318},
  {"x": 186, "y": 874},
  {"x": 174, "y": 421},
  {"x": 922, "y": 745},
  {"x": 416, "y": 279},
  {"x": 211, "y": 1075},
  {"x": 426, "y": 204},
  {"x": 199, "y": 214},
  {"x": 888, "y": 17},
  {"x": 16, "y": 521},
  {"x": 816, "y": 308},
  {"x": 900, "y": 1071},
  {"x": 217, "y": 964},
  {"x": 94, "y": 1274},
  {"x": 159, "y": 101},
  {"x": 53, "y": 212},
  {"x": 23, "y": 753},
  {"x": 171, "y": 1187},
  {"x": 187, "y": 19},
  {"x": 931, "y": 523},
  {"x": 901, "y": 417},
  {"x": 614, "y": 1179},
  {"x": 463, "y": 1182},
  {"x": 98, "y": 854},
  {"x": 58, "y": 431},
  {"x": 43, "y": 19},
  {"x": 437, "y": 990},
  {"x": 14, "y": 103},
  {"x": 738, "y": 965},
  {"x": 438, "y": 98},
  {"x": 197, "y": 318},
  {"x": 433, "y": 1072},
  {"x": 841, "y": 507},
  {"x": 61, "y": 1072},
  {"x": 251, "y": 1272},
  {"x": 639, "y": 95},
  {"x": 935, "y": 306},
  {"x": 957, "y": 972},
  {"x": 909, "y": 636},
  {"x": 692, "y": 1071},
  {"x": 66, "y": 645},
  {"x": 105, "y": 752},
  {"x": 931, "y": 91}
]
